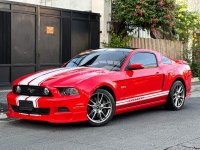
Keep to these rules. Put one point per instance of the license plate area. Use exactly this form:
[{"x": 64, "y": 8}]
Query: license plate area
[{"x": 25, "y": 105}]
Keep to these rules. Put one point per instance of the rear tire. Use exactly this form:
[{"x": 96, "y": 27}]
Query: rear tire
[
  {"x": 101, "y": 108},
  {"x": 176, "y": 97}
]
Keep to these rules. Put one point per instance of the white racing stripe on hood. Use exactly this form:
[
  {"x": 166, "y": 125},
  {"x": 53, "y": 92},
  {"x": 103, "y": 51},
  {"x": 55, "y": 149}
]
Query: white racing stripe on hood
[
  {"x": 29, "y": 79},
  {"x": 39, "y": 80}
]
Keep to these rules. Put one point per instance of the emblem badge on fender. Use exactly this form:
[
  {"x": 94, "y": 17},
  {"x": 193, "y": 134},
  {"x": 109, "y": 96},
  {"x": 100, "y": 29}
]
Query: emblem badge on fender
[{"x": 123, "y": 87}]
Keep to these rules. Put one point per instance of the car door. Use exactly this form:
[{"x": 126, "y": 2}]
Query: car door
[{"x": 144, "y": 82}]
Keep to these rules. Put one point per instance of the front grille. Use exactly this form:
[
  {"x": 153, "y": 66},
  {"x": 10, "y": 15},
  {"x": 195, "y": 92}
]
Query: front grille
[
  {"x": 35, "y": 111},
  {"x": 31, "y": 90}
]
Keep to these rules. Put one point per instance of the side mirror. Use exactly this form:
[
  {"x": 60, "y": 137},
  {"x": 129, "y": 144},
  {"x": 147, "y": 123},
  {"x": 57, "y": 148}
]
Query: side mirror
[{"x": 135, "y": 66}]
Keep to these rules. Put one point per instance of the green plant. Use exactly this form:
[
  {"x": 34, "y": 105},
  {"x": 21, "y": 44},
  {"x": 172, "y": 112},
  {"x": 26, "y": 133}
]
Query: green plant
[
  {"x": 148, "y": 14},
  {"x": 117, "y": 41},
  {"x": 195, "y": 64},
  {"x": 186, "y": 23},
  {"x": 195, "y": 67},
  {"x": 169, "y": 17}
]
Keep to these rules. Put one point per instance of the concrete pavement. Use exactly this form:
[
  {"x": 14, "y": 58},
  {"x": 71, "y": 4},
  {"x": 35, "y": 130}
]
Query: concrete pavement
[{"x": 151, "y": 129}]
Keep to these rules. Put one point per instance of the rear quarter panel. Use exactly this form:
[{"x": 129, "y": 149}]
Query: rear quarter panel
[{"x": 174, "y": 72}]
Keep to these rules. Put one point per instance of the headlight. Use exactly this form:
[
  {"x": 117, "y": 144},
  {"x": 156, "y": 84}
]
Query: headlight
[
  {"x": 68, "y": 91},
  {"x": 17, "y": 89},
  {"x": 46, "y": 91}
]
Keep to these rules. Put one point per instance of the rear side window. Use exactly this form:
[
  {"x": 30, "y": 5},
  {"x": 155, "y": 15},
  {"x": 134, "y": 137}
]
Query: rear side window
[
  {"x": 165, "y": 60},
  {"x": 147, "y": 59}
]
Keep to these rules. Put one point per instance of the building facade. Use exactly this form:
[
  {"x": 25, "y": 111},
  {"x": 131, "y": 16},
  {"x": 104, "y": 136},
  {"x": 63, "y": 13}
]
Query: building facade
[
  {"x": 103, "y": 7},
  {"x": 35, "y": 37}
]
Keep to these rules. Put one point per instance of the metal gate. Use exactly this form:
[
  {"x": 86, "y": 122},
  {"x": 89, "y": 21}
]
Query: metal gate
[{"x": 35, "y": 37}]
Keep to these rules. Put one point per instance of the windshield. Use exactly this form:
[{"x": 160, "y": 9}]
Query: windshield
[{"x": 110, "y": 60}]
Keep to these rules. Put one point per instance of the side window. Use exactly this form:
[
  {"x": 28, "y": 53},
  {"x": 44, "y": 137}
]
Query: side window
[
  {"x": 165, "y": 60},
  {"x": 147, "y": 59}
]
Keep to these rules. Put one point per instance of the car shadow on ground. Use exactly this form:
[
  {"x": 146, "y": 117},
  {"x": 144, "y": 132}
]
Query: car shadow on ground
[{"x": 125, "y": 117}]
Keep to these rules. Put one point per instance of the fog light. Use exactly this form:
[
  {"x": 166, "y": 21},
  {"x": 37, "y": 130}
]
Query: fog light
[{"x": 63, "y": 109}]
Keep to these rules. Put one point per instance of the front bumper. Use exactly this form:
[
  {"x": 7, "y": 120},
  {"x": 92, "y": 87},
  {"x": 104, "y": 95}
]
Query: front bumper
[{"x": 76, "y": 109}]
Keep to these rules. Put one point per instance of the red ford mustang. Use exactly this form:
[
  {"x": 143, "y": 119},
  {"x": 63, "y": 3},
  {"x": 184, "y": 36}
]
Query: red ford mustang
[{"x": 96, "y": 85}]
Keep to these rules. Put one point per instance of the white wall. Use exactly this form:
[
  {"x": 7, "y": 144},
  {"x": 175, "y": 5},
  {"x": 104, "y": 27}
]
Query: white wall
[
  {"x": 142, "y": 33},
  {"x": 104, "y": 8},
  {"x": 193, "y": 5},
  {"x": 83, "y": 5},
  {"x": 36, "y": 2}
]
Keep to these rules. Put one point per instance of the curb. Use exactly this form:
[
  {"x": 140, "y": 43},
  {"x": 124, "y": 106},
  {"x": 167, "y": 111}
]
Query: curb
[
  {"x": 4, "y": 91},
  {"x": 195, "y": 80}
]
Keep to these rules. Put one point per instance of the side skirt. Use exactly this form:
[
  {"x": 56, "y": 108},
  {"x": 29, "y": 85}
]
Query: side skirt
[{"x": 141, "y": 106}]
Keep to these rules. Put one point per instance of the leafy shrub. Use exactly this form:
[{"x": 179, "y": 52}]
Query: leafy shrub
[
  {"x": 149, "y": 14},
  {"x": 117, "y": 41},
  {"x": 195, "y": 67}
]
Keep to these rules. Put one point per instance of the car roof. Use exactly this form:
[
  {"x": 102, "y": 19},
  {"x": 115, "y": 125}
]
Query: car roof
[
  {"x": 116, "y": 49},
  {"x": 126, "y": 50}
]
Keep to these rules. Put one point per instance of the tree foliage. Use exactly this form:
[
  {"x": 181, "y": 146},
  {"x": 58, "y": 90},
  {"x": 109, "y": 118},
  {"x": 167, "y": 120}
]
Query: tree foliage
[
  {"x": 165, "y": 16},
  {"x": 187, "y": 22},
  {"x": 148, "y": 14}
]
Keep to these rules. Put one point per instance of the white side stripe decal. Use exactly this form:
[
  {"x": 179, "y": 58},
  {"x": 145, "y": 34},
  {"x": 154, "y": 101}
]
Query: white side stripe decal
[{"x": 140, "y": 98}]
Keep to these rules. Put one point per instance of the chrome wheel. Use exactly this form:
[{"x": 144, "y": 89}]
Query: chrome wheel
[
  {"x": 99, "y": 108},
  {"x": 178, "y": 95}
]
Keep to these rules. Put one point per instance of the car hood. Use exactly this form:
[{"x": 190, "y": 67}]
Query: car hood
[{"x": 61, "y": 76}]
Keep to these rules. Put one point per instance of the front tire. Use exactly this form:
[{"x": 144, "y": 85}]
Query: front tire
[
  {"x": 101, "y": 108},
  {"x": 176, "y": 98}
]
